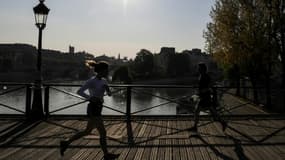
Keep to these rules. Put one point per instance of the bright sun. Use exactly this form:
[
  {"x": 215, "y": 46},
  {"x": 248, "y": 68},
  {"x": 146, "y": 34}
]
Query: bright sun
[{"x": 125, "y": 3}]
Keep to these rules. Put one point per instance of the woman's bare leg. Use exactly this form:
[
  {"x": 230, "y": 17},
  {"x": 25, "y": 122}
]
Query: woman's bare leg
[
  {"x": 88, "y": 129},
  {"x": 196, "y": 117},
  {"x": 98, "y": 122}
]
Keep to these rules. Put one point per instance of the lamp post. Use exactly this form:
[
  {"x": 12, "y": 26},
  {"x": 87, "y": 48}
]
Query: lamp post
[
  {"x": 269, "y": 57},
  {"x": 41, "y": 13}
]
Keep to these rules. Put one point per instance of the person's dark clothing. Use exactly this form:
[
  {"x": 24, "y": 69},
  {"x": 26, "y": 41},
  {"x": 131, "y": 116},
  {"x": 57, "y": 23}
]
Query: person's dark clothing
[
  {"x": 205, "y": 91},
  {"x": 94, "y": 107},
  {"x": 206, "y": 102}
]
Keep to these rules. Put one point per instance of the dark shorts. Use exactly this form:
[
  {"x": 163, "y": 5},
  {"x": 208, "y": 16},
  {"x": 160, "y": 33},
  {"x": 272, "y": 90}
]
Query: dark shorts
[
  {"x": 205, "y": 101},
  {"x": 94, "y": 108}
]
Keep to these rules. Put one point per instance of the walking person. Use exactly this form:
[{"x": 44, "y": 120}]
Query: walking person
[
  {"x": 205, "y": 98},
  {"x": 97, "y": 86}
]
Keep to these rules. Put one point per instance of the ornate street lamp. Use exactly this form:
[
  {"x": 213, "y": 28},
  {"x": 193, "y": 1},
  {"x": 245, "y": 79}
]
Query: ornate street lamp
[{"x": 41, "y": 13}]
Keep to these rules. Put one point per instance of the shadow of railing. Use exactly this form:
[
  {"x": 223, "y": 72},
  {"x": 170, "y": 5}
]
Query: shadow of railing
[
  {"x": 129, "y": 114},
  {"x": 16, "y": 131}
]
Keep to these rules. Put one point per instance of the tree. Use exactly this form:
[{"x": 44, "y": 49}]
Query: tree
[
  {"x": 143, "y": 63},
  {"x": 178, "y": 64},
  {"x": 277, "y": 10},
  {"x": 122, "y": 75},
  {"x": 239, "y": 35}
]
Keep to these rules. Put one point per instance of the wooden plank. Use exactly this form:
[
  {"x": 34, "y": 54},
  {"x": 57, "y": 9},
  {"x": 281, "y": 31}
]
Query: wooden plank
[
  {"x": 30, "y": 138},
  {"x": 197, "y": 150},
  {"x": 46, "y": 141},
  {"x": 181, "y": 140},
  {"x": 248, "y": 150},
  {"x": 207, "y": 137},
  {"x": 117, "y": 132},
  {"x": 203, "y": 148},
  {"x": 85, "y": 152},
  {"x": 96, "y": 153},
  {"x": 269, "y": 152},
  {"x": 240, "y": 138},
  {"x": 270, "y": 127},
  {"x": 46, "y": 135},
  {"x": 168, "y": 150},
  {"x": 135, "y": 127},
  {"x": 182, "y": 150},
  {"x": 162, "y": 150},
  {"x": 137, "y": 133},
  {"x": 147, "y": 151},
  {"x": 52, "y": 152},
  {"x": 253, "y": 131},
  {"x": 13, "y": 152},
  {"x": 175, "y": 150},
  {"x": 154, "y": 151},
  {"x": 141, "y": 133},
  {"x": 189, "y": 150},
  {"x": 143, "y": 151},
  {"x": 212, "y": 138},
  {"x": 8, "y": 125},
  {"x": 74, "y": 152}
]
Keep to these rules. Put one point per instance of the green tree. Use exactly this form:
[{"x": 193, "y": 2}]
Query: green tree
[{"x": 239, "y": 34}]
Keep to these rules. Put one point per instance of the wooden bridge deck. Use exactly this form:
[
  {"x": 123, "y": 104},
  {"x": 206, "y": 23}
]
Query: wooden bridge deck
[
  {"x": 154, "y": 138},
  {"x": 166, "y": 138}
]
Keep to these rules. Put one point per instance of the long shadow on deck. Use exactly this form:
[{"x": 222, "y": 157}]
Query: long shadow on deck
[
  {"x": 237, "y": 143},
  {"x": 237, "y": 148},
  {"x": 15, "y": 131},
  {"x": 266, "y": 137}
]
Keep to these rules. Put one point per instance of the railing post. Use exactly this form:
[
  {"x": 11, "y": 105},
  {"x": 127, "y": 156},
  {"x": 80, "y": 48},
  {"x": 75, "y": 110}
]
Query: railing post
[
  {"x": 37, "y": 112},
  {"x": 282, "y": 95},
  {"x": 128, "y": 112},
  {"x": 128, "y": 109},
  {"x": 243, "y": 89},
  {"x": 215, "y": 97},
  {"x": 46, "y": 102},
  {"x": 28, "y": 100}
]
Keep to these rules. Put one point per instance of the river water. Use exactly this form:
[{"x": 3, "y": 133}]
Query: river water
[{"x": 142, "y": 98}]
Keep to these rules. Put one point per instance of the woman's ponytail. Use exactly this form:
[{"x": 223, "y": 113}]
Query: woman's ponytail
[
  {"x": 97, "y": 66},
  {"x": 90, "y": 64}
]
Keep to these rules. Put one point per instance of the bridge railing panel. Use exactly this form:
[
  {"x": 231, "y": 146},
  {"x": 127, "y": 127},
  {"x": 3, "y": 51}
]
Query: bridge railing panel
[{"x": 15, "y": 98}]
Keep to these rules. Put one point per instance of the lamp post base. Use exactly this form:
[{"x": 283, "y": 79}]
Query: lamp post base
[{"x": 37, "y": 105}]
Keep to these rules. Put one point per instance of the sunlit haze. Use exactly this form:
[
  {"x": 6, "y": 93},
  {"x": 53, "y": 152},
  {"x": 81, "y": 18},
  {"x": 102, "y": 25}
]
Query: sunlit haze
[{"x": 108, "y": 26}]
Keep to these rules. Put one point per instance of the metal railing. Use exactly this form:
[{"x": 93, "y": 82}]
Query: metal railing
[
  {"x": 7, "y": 88},
  {"x": 127, "y": 90}
]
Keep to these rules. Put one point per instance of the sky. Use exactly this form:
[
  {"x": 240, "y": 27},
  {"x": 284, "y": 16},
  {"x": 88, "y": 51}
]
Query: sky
[{"x": 108, "y": 27}]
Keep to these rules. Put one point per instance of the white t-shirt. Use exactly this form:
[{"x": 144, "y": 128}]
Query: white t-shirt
[{"x": 95, "y": 86}]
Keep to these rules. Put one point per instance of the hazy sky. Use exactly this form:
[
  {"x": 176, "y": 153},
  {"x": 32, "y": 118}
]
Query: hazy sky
[{"x": 108, "y": 26}]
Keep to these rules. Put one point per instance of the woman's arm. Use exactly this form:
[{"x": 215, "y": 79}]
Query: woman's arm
[
  {"x": 82, "y": 89},
  {"x": 108, "y": 90}
]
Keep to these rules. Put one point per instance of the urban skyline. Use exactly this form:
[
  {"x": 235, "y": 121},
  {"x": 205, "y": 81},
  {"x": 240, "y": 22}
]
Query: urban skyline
[{"x": 109, "y": 27}]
